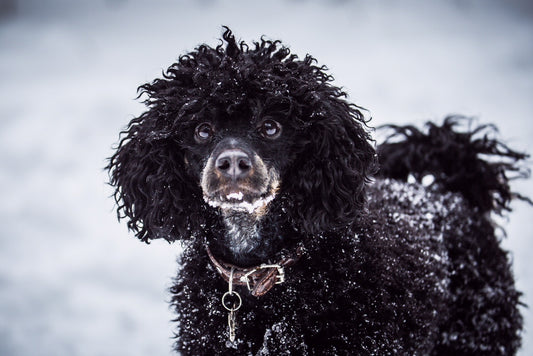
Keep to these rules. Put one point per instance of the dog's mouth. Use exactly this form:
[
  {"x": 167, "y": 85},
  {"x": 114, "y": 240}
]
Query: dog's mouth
[{"x": 231, "y": 196}]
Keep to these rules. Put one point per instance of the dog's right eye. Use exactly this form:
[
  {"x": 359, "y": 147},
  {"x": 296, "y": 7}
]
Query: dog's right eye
[
  {"x": 203, "y": 132},
  {"x": 270, "y": 129}
]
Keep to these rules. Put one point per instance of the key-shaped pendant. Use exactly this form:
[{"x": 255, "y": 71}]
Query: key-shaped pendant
[
  {"x": 231, "y": 307},
  {"x": 232, "y": 325}
]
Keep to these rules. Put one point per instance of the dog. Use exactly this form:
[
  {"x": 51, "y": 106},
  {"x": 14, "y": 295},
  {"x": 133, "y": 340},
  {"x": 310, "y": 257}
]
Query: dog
[{"x": 299, "y": 236}]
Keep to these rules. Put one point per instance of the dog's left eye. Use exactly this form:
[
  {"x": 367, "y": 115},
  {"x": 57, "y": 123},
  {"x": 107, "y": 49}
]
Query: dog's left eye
[
  {"x": 270, "y": 129},
  {"x": 203, "y": 132}
]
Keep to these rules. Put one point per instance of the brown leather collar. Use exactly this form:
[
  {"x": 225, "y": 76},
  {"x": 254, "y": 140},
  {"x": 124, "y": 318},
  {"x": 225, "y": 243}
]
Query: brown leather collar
[{"x": 259, "y": 279}]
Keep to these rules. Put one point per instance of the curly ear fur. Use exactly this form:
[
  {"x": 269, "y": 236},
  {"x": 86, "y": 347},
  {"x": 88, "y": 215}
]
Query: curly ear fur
[
  {"x": 327, "y": 183},
  {"x": 154, "y": 189}
]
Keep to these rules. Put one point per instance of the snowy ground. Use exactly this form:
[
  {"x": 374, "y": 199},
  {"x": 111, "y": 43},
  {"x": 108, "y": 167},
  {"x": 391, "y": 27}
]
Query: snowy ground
[{"x": 72, "y": 280}]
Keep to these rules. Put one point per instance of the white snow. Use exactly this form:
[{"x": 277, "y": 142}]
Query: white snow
[{"x": 73, "y": 281}]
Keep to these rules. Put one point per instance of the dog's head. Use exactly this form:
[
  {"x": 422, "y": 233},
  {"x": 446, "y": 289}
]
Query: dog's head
[{"x": 234, "y": 128}]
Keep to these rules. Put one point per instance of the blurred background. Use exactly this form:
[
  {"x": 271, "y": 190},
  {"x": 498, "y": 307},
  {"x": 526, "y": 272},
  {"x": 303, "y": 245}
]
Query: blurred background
[{"x": 73, "y": 281}]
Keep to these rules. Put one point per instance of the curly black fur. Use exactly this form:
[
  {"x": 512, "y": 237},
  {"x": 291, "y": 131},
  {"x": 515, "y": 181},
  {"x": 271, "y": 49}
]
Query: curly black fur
[
  {"x": 389, "y": 267},
  {"x": 461, "y": 161}
]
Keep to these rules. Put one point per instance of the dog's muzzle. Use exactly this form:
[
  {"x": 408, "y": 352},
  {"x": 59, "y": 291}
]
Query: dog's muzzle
[{"x": 236, "y": 178}]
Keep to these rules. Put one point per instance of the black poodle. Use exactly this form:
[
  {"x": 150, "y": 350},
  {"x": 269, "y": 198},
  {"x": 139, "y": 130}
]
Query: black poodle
[{"x": 256, "y": 162}]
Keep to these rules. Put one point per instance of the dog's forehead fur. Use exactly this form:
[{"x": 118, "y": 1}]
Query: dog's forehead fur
[{"x": 239, "y": 83}]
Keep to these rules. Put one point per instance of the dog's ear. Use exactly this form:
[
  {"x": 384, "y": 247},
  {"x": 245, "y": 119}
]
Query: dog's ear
[
  {"x": 336, "y": 159},
  {"x": 153, "y": 189}
]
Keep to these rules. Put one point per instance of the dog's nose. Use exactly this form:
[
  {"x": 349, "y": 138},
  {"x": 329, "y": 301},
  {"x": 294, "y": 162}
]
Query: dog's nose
[{"x": 234, "y": 163}]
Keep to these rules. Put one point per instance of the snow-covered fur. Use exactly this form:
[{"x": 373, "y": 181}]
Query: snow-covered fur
[{"x": 254, "y": 153}]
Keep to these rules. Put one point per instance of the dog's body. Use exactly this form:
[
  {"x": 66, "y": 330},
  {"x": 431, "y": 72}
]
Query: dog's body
[{"x": 251, "y": 157}]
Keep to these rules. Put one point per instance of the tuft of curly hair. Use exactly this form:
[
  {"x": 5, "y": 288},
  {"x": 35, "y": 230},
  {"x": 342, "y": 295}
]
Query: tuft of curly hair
[{"x": 458, "y": 155}]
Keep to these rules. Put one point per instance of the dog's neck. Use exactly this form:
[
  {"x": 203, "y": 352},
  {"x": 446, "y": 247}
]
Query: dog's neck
[{"x": 242, "y": 232}]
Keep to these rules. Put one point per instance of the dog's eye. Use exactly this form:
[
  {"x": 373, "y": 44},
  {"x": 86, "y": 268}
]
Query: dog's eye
[
  {"x": 270, "y": 129},
  {"x": 203, "y": 132}
]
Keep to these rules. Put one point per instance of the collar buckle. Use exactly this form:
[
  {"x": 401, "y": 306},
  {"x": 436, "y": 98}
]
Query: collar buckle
[{"x": 247, "y": 277}]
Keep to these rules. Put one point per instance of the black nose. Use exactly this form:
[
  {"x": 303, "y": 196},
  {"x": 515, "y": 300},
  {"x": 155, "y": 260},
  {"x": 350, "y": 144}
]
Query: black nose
[{"x": 234, "y": 163}]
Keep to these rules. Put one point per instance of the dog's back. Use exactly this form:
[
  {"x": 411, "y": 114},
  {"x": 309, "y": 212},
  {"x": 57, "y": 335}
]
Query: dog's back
[{"x": 482, "y": 315}]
